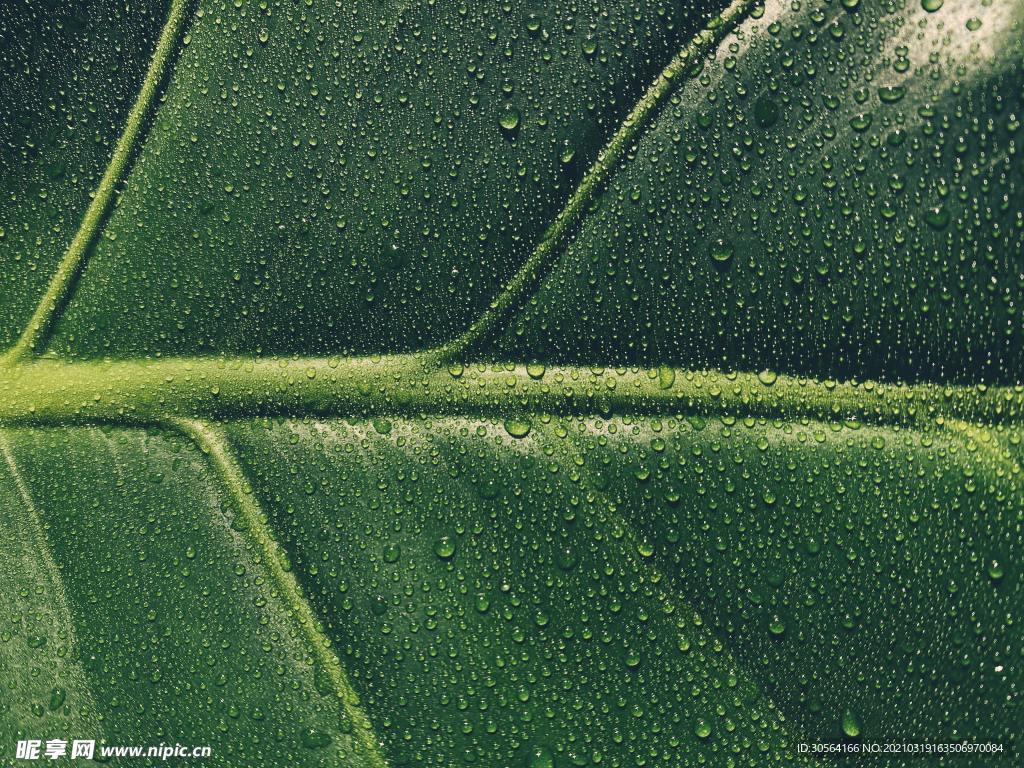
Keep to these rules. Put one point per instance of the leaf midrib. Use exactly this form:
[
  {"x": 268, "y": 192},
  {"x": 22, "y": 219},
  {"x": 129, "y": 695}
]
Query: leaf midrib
[
  {"x": 55, "y": 392},
  {"x": 38, "y": 391}
]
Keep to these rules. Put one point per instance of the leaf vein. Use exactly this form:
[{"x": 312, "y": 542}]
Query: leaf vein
[
  {"x": 217, "y": 389},
  {"x": 65, "y": 278},
  {"x": 547, "y": 251},
  {"x": 215, "y": 446}
]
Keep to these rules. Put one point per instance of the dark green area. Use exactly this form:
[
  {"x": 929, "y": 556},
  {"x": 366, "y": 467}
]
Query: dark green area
[
  {"x": 69, "y": 74},
  {"x": 494, "y": 595},
  {"x": 354, "y": 177}
]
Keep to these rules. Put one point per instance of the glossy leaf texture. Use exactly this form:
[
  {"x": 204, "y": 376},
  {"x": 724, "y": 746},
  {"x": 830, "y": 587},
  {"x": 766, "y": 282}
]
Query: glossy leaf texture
[
  {"x": 515, "y": 595},
  {"x": 359, "y": 177},
  {"x": 141, "y": 613},
  {"x": 837, "y": 193},
  {"x": 371, "y": 401},
  {"x": 68, "y": 76}
]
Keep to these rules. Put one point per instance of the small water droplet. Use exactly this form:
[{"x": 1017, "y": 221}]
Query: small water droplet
[
  {"x": 509, "y": 118},
  {"x": 517, "y": 428},
  {"x": 445, "y": 547},
  {"x": 722, "y": 251},
  {"x": 851, "y": 724}
]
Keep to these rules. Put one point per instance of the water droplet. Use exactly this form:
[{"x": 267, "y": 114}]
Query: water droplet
[
  {"x": 509, "y": 118},
  {"x": 722, "y": 251},
  {"x": 937, "y": 218},
  {"x": 542, "y": 757},
  {"x": 861, "y": 122},
  {"x": 566, "y": 559},
  {"x": 314, "y": 739},
  {"x": 517, "y": 428},
  {"x": 851, "y": 724},
  {"x": 445, "y": 547},
  {"x": 891, "y": 94},
  {"x": 666, "y": 377},
  {"x": 57, "y": 698}
]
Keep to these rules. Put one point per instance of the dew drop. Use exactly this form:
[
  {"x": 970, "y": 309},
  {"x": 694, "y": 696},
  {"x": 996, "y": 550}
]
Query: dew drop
[
  {"x": 509, "y": 118},
  {"x": 722, "y": 251},
  {"x": 937, "y": 218},
  {"x": 57, "y": 698},
  {"x": 517, "y": 428},
  {"x": 445, "y": 547},
  {"x": 542, "y": 757},
  {"x": 851, "y": 724}
]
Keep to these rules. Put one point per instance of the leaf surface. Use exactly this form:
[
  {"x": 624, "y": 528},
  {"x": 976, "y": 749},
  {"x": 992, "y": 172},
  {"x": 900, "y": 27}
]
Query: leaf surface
[
  {"x": 351, "y": 187},
  {"x": 260, "y": 492},
  {"x": 69, "y": 76},
  {"x": 837, "y": 193}
]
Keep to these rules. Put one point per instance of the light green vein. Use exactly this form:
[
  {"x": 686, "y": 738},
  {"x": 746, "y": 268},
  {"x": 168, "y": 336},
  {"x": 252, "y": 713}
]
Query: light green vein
[
  {"x": 214, "y": 445},
  {"x": 69, "y": 671},
  {"x": 555, "y": 236},
  {"x": 145, "y": 391},
  {"x": 71, "y": 264}
]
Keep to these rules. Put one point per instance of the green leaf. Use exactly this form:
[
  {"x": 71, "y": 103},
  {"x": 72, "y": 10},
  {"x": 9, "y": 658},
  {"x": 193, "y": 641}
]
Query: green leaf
[
  {"x": 69, "y": 76},
  {"x": 364, "y": 142},
  {"x": 149, "y": 608},
  {"x": 845, "y": 186},
  {"x": 270, "y": 487}
]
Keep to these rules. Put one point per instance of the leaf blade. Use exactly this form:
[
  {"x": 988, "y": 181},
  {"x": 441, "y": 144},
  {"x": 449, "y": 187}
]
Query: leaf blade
[
  {"x": 824, "y": 199},
  {"x": 180, "y": 627}
]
